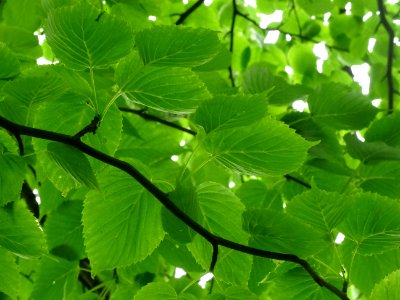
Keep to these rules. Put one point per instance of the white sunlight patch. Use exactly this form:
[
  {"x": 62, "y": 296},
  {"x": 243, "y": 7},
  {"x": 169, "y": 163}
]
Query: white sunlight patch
[
  {"x": 326, "y": 18},
  {"x": 321, "y": 52},
  {"x": 288, "y": 37},
  {"x": 367, "y": 16},
  {"x": 265, "y": 20},
  {"x": 289, "y": 70},
  {"x": 361, "y": 76},
  {"x": 185, "y": 1},
  {"x": 371, "y": 44},
  {"x": 360, "y": 137},
  {"x": 179, "y": 272},
  {"x": 208, "y": 2},
  {"x": 205, "y": 278},
  {"x": 152, "y": 18},
  {"x": 175, "y": 158},
  {"x": 231, "y": 184},
  {"x": 299, "y": 105},
  {"x": 376, "y": 102},
  {"x": 251, "y": 3},
  {"x": 182, "y": 143},
  {"x": 44, "y": 61},
  {"x": 339, "y": 238},
  {"x": 272, "y": 37},
  {"x": 347, "y": 7},
  {"x": 393, "y": 1}
]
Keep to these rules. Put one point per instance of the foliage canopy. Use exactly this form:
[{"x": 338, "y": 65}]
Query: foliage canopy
[{"x": 167, "y": 135}]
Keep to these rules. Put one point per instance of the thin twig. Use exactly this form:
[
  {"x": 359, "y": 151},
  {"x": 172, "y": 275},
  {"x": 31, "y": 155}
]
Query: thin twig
[
  {"x": 299, "y": 181},
  {"x": 302, "y": 37},
  {"x": 188, "y": 12},
  {"x": 147, "y": 116},
  {"x": 390, "y": 55},
  {"x": 166, "y": 201},
  {"x": 232, "y": 40},
  {"x": 92, "y": 127}
]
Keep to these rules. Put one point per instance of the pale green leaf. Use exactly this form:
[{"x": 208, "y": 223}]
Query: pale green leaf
[
  {"x": 10, "y": 64},
  {"x": 388, "y": 288},
  {"x": 156, "y": 291},
  {"x": 7, "y": 143},
  {"x": 56, "y": 279},
  {"x": 224, "y": 112},
  {"x": 177, "y": 46},
  {"x": 73, "y": 162},
  {"x": 12, "y": 175},
  {"x": 9, "y": 275},
  {"x": 20, "y": 41},
  {"x": 373, "y": 224},
  {"x": 381, "y": 177},
  {"x": 313, "y": 7},
  {"x": 254, "y": 194},
  {"x": 337, "y": 107},
  {"x": 276, "y": 231},
  {"x": 24, "y": 14},
  {"x": 63, "y": 229},
  {"x": 20, "y": 232},
  {"x": 119, "y": 221},
  {"x": 82, "y": 38},
  {"x": 266, "y": 148},
  {"x": 321, "y": 210},
  {"x": 176, "y": 90}
]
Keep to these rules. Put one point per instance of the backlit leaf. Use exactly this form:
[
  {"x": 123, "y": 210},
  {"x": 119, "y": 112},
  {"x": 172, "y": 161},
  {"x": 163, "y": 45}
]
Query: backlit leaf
[
  {"x": 12, "y": 175},
  {"x": 82, "y": 38},
  {"x": 156, "y": 291}
]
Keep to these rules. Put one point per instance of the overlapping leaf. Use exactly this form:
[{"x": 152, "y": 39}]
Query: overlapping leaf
[
  {"x": 20, "y": 232},
  {"x": 9, "y": 277},
  {"x": 388, "y": 288},
  {"x": 266, "y": 148},
  {"x": 12, "y": 175},
  {"x": 155, "y": 291},
  {"x": 10, "y": 64},
  {"x": 373, "y": 224},
  {"x": 337, "y": 107},
  {"x": 224, "y": 112},
  {"x": 119, "y": 221},
  {"x": 83, "y": 37},
  {"x": 275, "y": 231},
  {"x": 177, "y": 46}
]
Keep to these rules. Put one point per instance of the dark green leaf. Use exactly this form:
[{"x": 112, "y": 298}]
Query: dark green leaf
[
  {"x": 12, "y": 175},
  {"x": 10, "y": 64}
]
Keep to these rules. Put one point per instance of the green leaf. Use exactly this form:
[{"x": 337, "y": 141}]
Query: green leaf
[
  {"x": 254, "y": 194},
  {"x": 388, "y": 288},
  {"x": 73, "y": 162},
  {"x": 275, "y": 231},
  {"x": 266, "y": 148},
  {"x": 28, "y": 92},
  {"x": 385, "y": 130},
  {"x": 156, "y": 291},
  {"x": 12, "y": 176},
  {"x": 313, "y": 7},
  {"x": 221, "y": 214},
  {"x": 381, "y": 177},
  {"x": 373, "y": 224},
  {"x": 56, "y": 279},
  {"x": 321, "y": 210},
  {"x": 63, "y": 229},
  {"x": 225, "y": 112},
  {"x": 20, "y": 41},
  {"x": 177, "y": 90},
  {"x": 81, "y": 38},
  {"x": 297, "y": 284},
  {"x": 10, "y": 64},
  {"x": 337, "y": 107},
  {"x": 370, "y": 151},
  {"x": 24, "y": 14},
  {"x": 119, "y": 220},
  {"x": 9, "y": 275},
  {"x": 177, "y": 46},
  {"x": 20, "y": 232}
]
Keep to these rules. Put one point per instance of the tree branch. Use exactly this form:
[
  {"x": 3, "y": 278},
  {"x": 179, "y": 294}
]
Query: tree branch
[
  {"x": 146, "y": 116},
  {"x": 302, "y": 37},
  {"x": 188, "y": 12},
  {"x": 231, "y": 40},
  {"x": 164, "y": 200},
  {"x": 389, "y": 66},
  {"x": 92, "y": 127}
]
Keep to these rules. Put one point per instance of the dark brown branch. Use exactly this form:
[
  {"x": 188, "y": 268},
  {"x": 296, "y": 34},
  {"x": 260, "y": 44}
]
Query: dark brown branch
[
  {"x": 232, "y": 40},
  {"x": 188, "y": 12},
  {"x": 92, "y": 127},
  {"x": 164, "y": 200},
  {"x": 302, "y": 37},
  {"x": 146, "y": 116},
  {"x": 301, "y": 182},
  {"x": 390, "y": 55}
]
